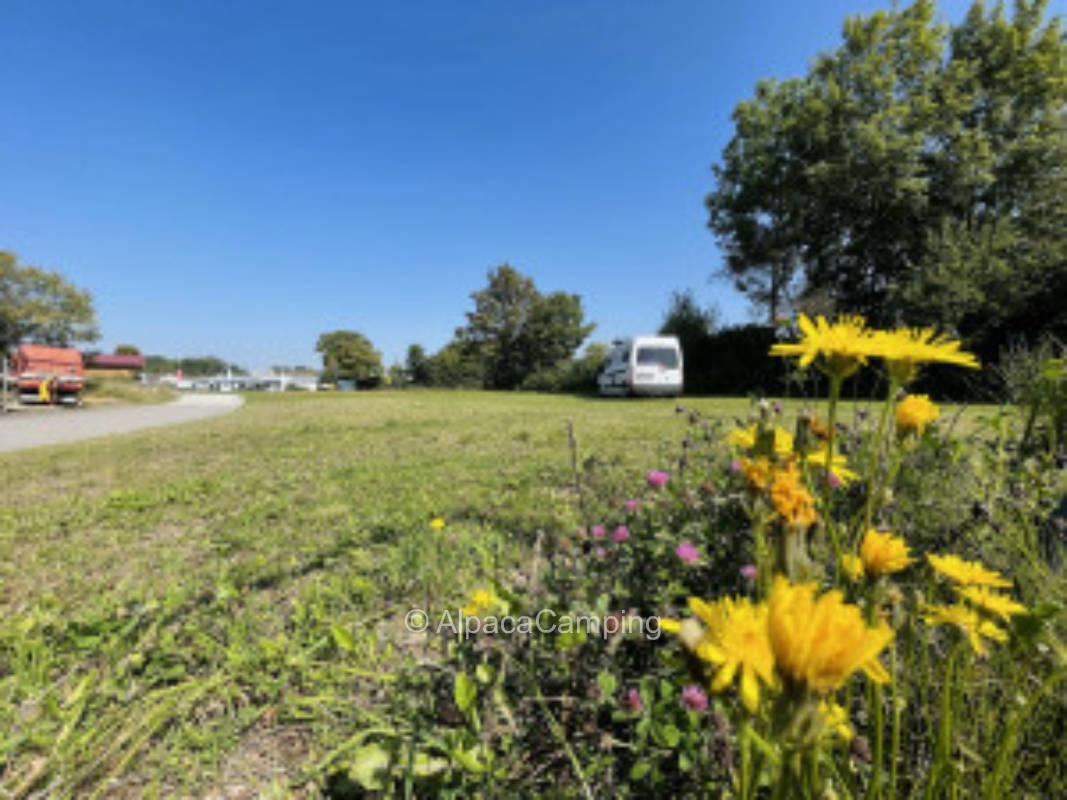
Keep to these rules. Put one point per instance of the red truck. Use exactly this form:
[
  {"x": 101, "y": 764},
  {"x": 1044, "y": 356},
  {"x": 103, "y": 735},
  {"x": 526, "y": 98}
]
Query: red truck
[{"x": 60, "y": 369}]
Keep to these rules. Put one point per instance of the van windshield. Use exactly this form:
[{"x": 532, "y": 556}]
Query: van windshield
[{"x": 663, "y": 356}]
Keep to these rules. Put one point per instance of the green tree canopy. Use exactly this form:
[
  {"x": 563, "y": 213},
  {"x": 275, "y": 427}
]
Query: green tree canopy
[
  {"x": 686, "y": 319},
  {"x": 417, "y": 366},
  {"x": 916, "y": 174},
  {"x": 514, "y": 330},
  {"x": 349, "y": 355},
  {"x": 40, "y": 306},
  {"x": 127, "y": 350}
]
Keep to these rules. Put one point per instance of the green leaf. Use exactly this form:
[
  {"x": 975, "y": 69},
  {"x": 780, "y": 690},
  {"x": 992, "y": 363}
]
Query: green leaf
[
  {"x": 468, "y": 759},
  {"x": 370, "y": 767},
  {"x": 484, "y": 673},
  {"x": 667, "y": 735},
  {"x": 639, "y": 770},
  {"x": 342, "y": 638},
  {"x": 607, "y": 683},
  {"x": 465, "y": 692}
]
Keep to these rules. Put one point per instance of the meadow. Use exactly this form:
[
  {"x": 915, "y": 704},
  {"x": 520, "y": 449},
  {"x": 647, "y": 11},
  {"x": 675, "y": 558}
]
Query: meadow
[
  {"x": 169, "y": 596},
  {"x": 217, "y": 609}
]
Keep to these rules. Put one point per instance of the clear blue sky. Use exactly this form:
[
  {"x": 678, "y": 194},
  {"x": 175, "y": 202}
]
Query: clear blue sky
[{"x": 235, "y": 177}]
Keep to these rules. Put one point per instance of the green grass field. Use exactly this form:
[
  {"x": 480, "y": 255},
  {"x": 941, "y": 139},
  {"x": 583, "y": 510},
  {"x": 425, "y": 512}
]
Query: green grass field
[{"x": 217, "y": 607}]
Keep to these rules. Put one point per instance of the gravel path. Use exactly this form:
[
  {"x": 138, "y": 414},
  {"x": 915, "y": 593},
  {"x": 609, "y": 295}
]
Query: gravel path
[{"x": 25, "y": 429}]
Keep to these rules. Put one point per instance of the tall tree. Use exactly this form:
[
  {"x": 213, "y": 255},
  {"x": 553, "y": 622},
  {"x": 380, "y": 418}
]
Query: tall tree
[
  {"x": 39, "y": 305},
  {"x": 685, "y": 318},
  {"x": 753, "y": 209},
  {"x": 515, "y": 330},
  {"x": 915, "y": 173},
  {"x": 417, "y": 366},
  {"x": 349, "y": 355}
]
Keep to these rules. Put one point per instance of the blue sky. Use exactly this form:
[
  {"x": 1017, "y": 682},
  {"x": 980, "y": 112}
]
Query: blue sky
[{"x": 235, "y": 178}]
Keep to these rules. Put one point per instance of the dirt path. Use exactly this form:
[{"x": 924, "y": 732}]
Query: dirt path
[{"x": 22, "y": 430}]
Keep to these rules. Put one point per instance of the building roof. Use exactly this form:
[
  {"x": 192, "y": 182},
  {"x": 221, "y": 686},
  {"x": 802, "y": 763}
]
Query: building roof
[
  {"x": 115, "y": 361},
  {"x": 53, "y": 356}
]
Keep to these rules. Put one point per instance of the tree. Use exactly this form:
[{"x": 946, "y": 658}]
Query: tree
[
  {"x": 39, "y": 305},
  {"x": 914, "y": 175},
  {"x": 694, "y": 327},
  {"x": 685, "y": 318},
  {"x": 514, "y": 330},
  {"x": 752, "y": 209},
  {"x": 126, "y": 350},
  {"x": 456, "y": 366},
  {"x": 417, "y": 365},
  {"x": 349, "y": 355}
]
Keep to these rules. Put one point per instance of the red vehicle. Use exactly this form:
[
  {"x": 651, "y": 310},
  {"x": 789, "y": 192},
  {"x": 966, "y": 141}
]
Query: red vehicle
[{"x": 58, "y": 368}]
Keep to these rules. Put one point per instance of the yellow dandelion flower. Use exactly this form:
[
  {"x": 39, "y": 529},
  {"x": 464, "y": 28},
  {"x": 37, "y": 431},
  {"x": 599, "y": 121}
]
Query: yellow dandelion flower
[
  {"x": 883, "y": 553},
  {"x": 734, "y": 640},
  {"x": 914, "y": 413},
  {"x": 838, "y": 471},
  {"x": 757, "y": 472},
  {"x": 819, "y": 642},
  {"x": 966, "y": 573},
  {"x": 843, "y": 346},
  {"x": 818, "y": 427},
  {"x": 852, "y": 566},
  {"x": 969, "y": 622},
  {"x": 480, "y": 602},
  {"x": 835, "y": 719},
  {"x": 437, "y": 523},
  {"x": 991, "y": 602},
  {"x": 745, "y": 439},
  {"x": 792, "y": 501},
  {"x": 905, "y": 350}
]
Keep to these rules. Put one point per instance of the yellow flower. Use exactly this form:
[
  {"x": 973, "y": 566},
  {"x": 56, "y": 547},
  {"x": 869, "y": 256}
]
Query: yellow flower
[
  {"x": 852, "y": 566},
  {"x": 966, "y": 573},
  {"x": 745, "y": 439},
  {"x": 904, "y": 350},
  {"x": 437, "y": 523},
  {"x": 969, "y": 622},
  {"x": 991, "y": 602},
  {"x": 819, "y": 642},
  {"x": 757, "y": 472},
  {"x": 792, "y": 501},
  {"x": 735, "y": 639},
  {"x": 844, "y": 346},
  {"x": 914, "y": 413},
  {"x": 480, "y": 602},
  {"x": 883, "y": 553},
  {"x": 835, "y": 718},
  {"x": 839, "y": 470}
]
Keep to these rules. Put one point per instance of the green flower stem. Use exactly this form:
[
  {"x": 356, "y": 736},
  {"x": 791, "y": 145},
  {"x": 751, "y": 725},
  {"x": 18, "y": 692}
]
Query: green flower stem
[
  {"x": 879, "y": 443},
  {"x": 746, "y": 760},
  {"x": 875, "y": 790},
  {"x": 831, "y": 527},
  {"x": 894, "y": 745}
]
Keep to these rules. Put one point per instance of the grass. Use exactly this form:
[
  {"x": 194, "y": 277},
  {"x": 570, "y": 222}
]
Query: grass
[
  {"x": 218, "y": 606},
  {"x": 109, "y": 391}
]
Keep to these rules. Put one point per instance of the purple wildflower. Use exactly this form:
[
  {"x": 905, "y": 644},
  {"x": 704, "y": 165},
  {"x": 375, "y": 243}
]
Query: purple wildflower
[
  {"x": 749, "y": 572},
  {"x": 687, "y": 552},
  {"x": 656, "y": 478},
  {"x": 621, "y": 534},
  {"x": 694, "y": 698},
  {"x": 599, "y": 532},
  {"x": 633, "y": 700}
]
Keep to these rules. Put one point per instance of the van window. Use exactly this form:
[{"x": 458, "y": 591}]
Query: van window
[{"x": 663, "y": 356}]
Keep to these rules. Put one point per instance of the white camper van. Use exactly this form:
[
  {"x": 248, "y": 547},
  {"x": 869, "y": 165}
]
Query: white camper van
[{"x": 648, "y": 365}]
